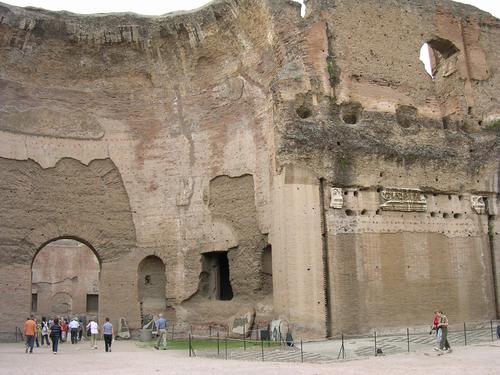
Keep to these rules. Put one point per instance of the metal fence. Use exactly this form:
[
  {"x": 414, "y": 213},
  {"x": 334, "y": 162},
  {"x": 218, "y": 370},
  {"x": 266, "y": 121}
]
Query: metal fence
[{"x": 341, "y": 347}]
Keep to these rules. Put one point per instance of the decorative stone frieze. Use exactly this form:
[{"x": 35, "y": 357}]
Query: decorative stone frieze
[
  {"x": 478, "y": 204},
  {"x": 401, "y": 199},
  {"x": 337, "y": 199}
]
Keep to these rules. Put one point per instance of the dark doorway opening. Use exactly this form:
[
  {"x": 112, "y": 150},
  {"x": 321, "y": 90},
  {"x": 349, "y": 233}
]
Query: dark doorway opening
[
  {"x": 92, "y": 303},
  {"x": 216, "y": 280}
]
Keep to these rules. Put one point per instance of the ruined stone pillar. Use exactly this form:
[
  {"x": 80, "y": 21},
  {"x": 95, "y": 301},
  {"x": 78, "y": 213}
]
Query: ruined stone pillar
[{"x": 298, "y": 280}]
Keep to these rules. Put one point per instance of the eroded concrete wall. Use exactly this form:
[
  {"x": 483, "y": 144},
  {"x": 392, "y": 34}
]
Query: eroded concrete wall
[{"x": 224, "y": 129}]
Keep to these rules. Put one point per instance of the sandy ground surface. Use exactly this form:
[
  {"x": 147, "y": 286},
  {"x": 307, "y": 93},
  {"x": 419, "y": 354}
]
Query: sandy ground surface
[{"x": 128, "y": 358}]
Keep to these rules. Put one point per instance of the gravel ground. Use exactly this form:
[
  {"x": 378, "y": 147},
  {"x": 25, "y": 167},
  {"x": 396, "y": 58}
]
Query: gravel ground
[{"x": 128, "y": 358}]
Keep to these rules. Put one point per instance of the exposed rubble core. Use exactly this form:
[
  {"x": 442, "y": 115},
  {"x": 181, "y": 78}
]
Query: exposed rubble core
[{"x": 248, "y": 159}]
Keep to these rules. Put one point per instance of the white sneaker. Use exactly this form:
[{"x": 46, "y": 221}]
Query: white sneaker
[{"x": 436, "y": 349}]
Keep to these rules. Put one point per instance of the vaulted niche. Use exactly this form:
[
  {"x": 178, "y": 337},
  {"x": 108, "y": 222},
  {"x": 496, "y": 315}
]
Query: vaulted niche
[
  {"x": 151, "y": 283},
  {"x": 215, "y": 280}
]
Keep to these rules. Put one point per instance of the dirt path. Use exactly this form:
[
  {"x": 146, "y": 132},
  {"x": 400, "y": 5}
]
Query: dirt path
[{"x": 127, "y": 358}]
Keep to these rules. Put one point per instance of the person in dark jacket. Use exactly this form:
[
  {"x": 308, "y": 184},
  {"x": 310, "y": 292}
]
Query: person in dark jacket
[{"x": 55, "y": 334}]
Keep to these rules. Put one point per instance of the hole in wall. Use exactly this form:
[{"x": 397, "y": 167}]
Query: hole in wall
[
  {"x": 457, "y": 216},
  {"x": 406, "y": 115},
  {"x": 446, "y": 215},
  {"x": 433, "y": 214},
  {"x": 350, "y": 112},
  {"x": 434, "y": 53},
  {"x": 349, "y": 212},
  {"x": 303, "y": 112},
  {"x": 364, "y": 212},
  {"x": 378, "y": 212}
]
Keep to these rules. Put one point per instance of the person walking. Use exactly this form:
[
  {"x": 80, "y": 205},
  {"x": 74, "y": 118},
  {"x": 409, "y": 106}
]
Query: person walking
[
  {"x": 38, "y": 334},
  {"x": 29, "y": 332},
  {"x": 94, "y": 331},
  {"x": 55, "y": 335},
  {"x": 444, "y": 345},
  {"x": 161, "y": 324},
  {"x": 64, "y": 329},
  {"x": 435, "y": 327},
  {"x": 73, "y": 327},
  {"x": 45, "y": 331},
  {"x": 80, "y": 330},
  {"x": 107, "y": 332}
]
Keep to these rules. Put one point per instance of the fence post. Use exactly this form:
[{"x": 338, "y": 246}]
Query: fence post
[
  {"x": 173, "y": 330},
  {"x": 218, "y": 343},
  {"x": 491, "y": 325},
  {"x": 244, "y": 337},
  {"x": 225, "y": 345},
  {"x": 375, "y": 336},
  {"x": 301, "y": 352},
  {"x": 209, "y": 331},
  {"x": 408, "y": 338},
  {"x": 465, "y": 334},
  {"x": 189, "y": 344},
  {"x": 262, "y": 348}
]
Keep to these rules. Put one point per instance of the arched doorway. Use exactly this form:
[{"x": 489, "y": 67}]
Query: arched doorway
[
  {"x": 65, "y": 280},
  {"x": 151, "y": 286}
]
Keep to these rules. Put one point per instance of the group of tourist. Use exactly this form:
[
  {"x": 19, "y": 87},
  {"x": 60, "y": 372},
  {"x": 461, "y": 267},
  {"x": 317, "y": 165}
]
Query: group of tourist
[
  {"x": 440, "y": 325},
  {"x": 39, "y": 332}
]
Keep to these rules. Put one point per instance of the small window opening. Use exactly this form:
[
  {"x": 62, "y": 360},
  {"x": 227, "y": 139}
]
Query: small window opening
[
  {"x": 434, "y": 52},
  {"x": 147, "y": 279}
]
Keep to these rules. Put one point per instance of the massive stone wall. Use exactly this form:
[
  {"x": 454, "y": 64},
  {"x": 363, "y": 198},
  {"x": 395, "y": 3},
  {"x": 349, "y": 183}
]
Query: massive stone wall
[{"x": 224, "y": 130}]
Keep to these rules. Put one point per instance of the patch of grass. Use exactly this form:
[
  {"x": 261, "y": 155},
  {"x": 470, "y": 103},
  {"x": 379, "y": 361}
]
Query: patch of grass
[
  {"x": 344, "y": 163},
  {"x": 494, "y": 125},
  {"x": 205, "y": 344}
]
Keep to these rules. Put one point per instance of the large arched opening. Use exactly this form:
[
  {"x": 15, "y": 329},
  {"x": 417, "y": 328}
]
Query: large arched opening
[{"x": 65, "y": 274}]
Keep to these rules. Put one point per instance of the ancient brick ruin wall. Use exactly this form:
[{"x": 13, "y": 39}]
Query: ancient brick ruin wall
[
  {"x": 174, "y": 102},
  {"x": 247, "y": 100},
  {"x": 364, "y": 117}
]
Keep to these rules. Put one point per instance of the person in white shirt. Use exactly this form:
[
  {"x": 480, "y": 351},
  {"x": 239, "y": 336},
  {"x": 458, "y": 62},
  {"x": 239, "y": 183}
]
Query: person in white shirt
[
  {"x": 94, "y": 331},
  {"x": 73, "y": 327}
]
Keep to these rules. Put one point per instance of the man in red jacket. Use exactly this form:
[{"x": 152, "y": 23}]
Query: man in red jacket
[{"x": 30, "y": 332}]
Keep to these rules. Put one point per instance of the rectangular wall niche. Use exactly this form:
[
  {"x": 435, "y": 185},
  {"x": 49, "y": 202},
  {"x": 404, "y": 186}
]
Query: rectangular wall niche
[
  {"x": 92, "y": 303},
  {"x": 216, "y": 279},
  {"x": 34, "y": 302}
]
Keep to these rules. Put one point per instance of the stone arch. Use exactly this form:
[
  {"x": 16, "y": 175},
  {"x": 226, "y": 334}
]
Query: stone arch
[
  {"x": 68, "y": 237},
  {"x": 70, "y": 200},
  {"x": 88, "y": 203},
  {"x": 65, "y": 273}
]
